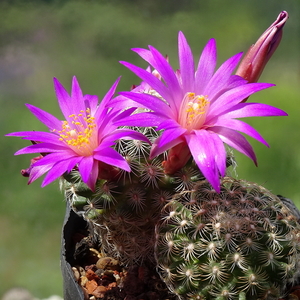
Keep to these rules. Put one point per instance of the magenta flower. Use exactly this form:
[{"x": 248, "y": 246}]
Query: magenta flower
[
  {"x": 84, "y": 139},
  {"x": 196, "y": 108}
]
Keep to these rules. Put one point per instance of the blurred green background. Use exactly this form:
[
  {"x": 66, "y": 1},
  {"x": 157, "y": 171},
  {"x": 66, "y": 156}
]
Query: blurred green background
[{"x": 40, "y": 40}]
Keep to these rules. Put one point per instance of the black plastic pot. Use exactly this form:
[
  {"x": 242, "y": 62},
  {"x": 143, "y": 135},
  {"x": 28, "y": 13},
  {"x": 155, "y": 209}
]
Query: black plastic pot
[{"x": 72, "y": 224}]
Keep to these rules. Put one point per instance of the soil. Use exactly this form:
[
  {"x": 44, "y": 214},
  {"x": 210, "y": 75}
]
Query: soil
[{"x": 105, "y": 278}]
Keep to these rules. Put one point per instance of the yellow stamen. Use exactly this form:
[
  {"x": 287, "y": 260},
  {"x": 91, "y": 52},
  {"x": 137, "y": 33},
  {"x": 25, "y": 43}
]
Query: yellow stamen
[
  {"x": 196, "y": 106},
  {"x": 80, "y": 133},
  {"x": 193, "y": 110}
]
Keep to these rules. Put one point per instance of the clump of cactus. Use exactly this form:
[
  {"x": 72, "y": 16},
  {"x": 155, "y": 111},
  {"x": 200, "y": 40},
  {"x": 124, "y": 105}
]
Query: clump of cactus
[
  {"x": 240, "y": 244},
  {"x": 124, "y": 210}
]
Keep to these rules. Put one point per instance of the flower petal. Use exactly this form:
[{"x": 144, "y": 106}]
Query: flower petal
[
  {"x": 153, "y": 81},
  {"x": 186, "y": 63},
  {"x": 108, "y": 96},
  {"x": 76, "y": 90},
  {"x": 85, "y": 167},
  {"x": 142, "y": 119},
  {"x": 151, "y": 102},
  {"x": 38, "y": 136},
  {"x": 41, "y": 148},
  {"x": 167, "y": 124},
  {"x": 38, "y": 171},
  {"x": 64, "y": 100},
  {"x": 165, "y": 70},
  {"x": 112, "y": 157},
  {"x": 157, "y": 150},
  {"x": 53, "y": 158},
  {"x": 219, "y": 151},
  {"x": 57, "y": 170},
  {"x": 243, "y": 110},
  {"x": 93, "y": 176},
  {"x": 125, "y": 134},
  {"x": 202, "y": 149},
  {"x": 234, "y": 96},
  {"x": 234, "y": 81},
  {"x": 118, "y": 116},
  {"x": 170, "y": 134},
  {"x": 72, "y": 162},
  {"x": 206, "y": 66},
  {"x": 77, "y": 97},
  {"x": 145, "y": 54},
  {"x": 238, "y": 125},
  {"x": 121, "y": 102},
  {"x": 220, "y": 79},
  {"x": 91, "y": 101},
  {"x": 235, "y": 140},
  {"x": 49, "y": 120}
]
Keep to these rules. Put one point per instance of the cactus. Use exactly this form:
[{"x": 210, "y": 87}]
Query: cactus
[{"x": 240, "y": 244}]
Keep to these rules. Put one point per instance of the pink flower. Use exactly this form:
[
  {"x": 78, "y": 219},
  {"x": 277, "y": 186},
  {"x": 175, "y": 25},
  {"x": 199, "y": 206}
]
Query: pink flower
[
  {"x": 84, "y": 139},
  {"x": 196, "y": 108}
]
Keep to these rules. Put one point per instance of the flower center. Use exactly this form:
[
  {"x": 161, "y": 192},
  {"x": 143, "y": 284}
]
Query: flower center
[
  {"x": 193, "y": 111},
  {"x": 80, "y": 133}
]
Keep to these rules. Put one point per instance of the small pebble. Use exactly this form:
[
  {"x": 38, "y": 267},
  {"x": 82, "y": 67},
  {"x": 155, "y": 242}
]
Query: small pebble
[
  {"x": 76, "y": 273},
  {"x": 107, "y": 263},
  {"x": 83, "y": 280},
  {"x": 91, "y": 286},
  {"x": 99, "y": 291}
]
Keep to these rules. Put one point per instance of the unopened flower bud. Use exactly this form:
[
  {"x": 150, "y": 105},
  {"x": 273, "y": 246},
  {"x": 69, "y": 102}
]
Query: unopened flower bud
[
  {"x": 26, "y": 172},
  {"x": 259, "y": 54},
  {"x": 178, "y": 156},
  {"x": 107, "y": 172}
]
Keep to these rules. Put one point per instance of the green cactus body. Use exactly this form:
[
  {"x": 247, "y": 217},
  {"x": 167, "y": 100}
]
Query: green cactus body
[{"x": 240, "y": 244}]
